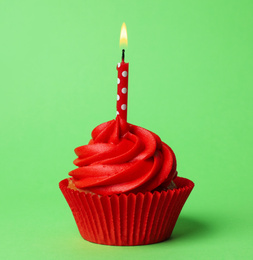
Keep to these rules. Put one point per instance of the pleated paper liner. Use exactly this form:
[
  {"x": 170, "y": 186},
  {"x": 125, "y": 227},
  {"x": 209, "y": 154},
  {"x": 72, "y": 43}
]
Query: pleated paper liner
[{"x": 127, "y": 220}]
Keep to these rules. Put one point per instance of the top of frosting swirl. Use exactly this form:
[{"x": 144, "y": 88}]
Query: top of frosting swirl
[{"x": 123, "y": 158}]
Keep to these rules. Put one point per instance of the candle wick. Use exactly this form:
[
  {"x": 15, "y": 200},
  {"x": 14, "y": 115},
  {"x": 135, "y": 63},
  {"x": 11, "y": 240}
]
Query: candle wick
[{"x": 123, "y": 54}]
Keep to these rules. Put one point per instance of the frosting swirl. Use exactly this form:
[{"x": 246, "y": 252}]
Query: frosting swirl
[{"x": 123, "y": 158}]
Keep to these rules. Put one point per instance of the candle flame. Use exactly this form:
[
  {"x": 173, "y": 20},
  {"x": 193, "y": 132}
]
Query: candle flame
[{"x": 123, "y": 36}]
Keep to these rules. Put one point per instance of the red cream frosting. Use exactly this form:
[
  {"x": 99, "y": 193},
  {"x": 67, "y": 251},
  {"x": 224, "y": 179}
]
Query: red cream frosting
[{"x": 123, "y": 158}]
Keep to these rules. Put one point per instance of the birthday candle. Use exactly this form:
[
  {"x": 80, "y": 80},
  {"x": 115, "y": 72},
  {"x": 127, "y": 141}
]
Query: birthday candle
[{"x": 122, "y": 92}]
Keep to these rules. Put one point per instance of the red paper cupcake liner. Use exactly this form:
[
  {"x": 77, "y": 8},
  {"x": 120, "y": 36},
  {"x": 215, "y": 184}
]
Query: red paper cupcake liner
[{"x": 127, "y": 220}]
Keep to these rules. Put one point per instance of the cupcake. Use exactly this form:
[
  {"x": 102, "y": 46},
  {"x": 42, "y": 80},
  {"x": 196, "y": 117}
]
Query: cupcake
[{"x": 125, "y": 190}]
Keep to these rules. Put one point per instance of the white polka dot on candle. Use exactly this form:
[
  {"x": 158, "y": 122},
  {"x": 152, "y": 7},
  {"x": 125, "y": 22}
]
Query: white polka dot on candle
[
  {"x": 124, "y": 73},
  {"x": 118, "y": 79},
  {"x": 118, "y": 97},
  {"x": 118, "y": 65},
  {"x": 123, "y": 107},
  {"x": 124, "y": 90}
]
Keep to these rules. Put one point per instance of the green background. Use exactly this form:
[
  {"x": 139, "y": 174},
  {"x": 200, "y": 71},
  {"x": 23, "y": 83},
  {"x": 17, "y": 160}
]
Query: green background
[{"x": 190, "y": 81}]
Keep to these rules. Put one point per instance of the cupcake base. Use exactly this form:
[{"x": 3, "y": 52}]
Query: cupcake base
[{"x": 127, "y": 220}]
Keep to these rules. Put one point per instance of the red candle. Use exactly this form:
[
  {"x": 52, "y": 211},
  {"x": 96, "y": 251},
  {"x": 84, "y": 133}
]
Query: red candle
[
  {"x": 122, "y": 68},
  {"x": 122, "y": 88}
]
